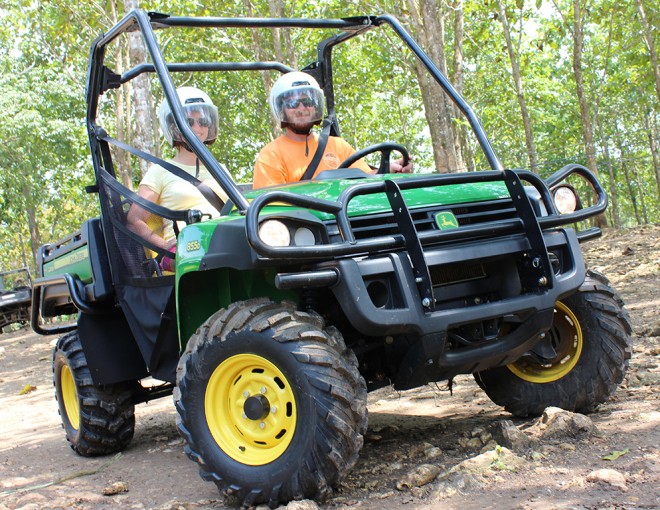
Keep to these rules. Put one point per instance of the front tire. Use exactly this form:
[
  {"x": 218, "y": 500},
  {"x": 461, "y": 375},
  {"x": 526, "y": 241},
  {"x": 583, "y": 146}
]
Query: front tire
[
  {"x": 591, "y": 335},
  {"x": 98, "y": 420},
  {"x": 270, "y": 403}
]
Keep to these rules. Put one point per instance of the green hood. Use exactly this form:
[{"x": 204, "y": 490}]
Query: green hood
[{"x": 377, "y": 203}]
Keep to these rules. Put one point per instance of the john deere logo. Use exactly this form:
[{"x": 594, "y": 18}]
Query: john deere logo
[{"x": 446, "y": 220}]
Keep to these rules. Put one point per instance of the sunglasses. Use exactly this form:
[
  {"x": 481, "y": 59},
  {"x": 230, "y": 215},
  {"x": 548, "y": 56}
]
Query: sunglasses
[
  {"x": 293, "y": 103},
  {"x": 202, "y": 122}
]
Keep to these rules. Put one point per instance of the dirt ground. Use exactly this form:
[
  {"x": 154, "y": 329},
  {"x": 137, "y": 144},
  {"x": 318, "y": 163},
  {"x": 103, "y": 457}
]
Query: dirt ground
[{"x": 409, "y": 434}]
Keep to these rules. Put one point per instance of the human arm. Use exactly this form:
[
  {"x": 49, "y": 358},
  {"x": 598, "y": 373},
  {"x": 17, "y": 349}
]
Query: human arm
[{"x": 137, "y": 220}]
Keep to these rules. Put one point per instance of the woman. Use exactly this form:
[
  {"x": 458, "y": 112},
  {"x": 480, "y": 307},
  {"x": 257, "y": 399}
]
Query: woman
[{"x": 166, "y": 189}]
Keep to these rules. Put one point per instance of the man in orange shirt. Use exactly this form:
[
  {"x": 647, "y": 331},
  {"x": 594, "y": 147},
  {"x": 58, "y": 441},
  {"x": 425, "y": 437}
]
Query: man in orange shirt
[{"x": 296, "y": 101}]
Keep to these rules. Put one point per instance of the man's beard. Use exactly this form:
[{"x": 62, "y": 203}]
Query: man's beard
[{"x": 300, "y": 129}]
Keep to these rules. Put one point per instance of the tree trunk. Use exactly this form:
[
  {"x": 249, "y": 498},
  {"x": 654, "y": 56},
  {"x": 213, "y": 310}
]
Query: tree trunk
[
  {"x": 626, "y": 173},
  {"x": 517, "y": 80},
  {"x": 257, "y": 48},
  {"x": 121, "y": 158},
  {"x": 33, "y": 224},
  {"x": 430, "y": 27},
  {"x": 461, "y": 141},
  {"x": 652, "y": 134},
  {"x": 610, "y": 169},
  {"x": 587, "y": 131},
  {"x": 143, "y": 136},
  {"x": 648, "y": 35}
]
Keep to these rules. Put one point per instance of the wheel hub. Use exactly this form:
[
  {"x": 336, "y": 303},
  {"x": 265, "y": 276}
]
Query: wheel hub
[{"x": 256, "y": 407}]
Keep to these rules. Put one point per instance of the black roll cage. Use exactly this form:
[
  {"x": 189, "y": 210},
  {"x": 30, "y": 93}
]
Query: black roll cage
[{"x": 100, "y": 78}]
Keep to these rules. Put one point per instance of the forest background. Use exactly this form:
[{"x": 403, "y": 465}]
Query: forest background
[{"x": 553, "y": 82}]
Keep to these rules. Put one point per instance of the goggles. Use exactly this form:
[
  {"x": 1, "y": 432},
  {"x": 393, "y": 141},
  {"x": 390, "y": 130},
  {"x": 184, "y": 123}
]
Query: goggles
[
  {"x": 201, "y": 121},
  {"x": 295, "y": 102}
]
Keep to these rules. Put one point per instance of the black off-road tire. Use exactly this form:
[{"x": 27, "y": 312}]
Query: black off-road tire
[
  {"x": 309, "y": 430},
  {"x": 98, "y": 420},
  {"x": 587, "y": 370}
]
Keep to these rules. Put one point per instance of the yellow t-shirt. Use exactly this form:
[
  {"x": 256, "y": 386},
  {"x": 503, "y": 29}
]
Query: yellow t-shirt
[
  {"x": 177, "y": 194},
  {"x": 284, "y": 160}
]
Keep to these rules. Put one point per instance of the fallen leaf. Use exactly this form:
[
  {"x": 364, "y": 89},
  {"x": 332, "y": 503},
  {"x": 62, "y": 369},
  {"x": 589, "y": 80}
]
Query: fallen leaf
[
  {"x": 615, "y": 454},
  {"x": 115, "y": 488},
  {"x": 27, "y": 389}
]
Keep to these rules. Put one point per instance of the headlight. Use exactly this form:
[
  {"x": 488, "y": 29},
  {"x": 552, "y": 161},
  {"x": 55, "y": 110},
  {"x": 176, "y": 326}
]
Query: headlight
[
  {"x": 565, "y": 199},
  {"x": 304, "y": 237},
  {"x": 274, "y": 233}
]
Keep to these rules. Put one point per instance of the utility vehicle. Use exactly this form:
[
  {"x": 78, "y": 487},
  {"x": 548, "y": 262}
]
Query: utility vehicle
[
  {"x": 15, "y": 297},
  {"x": 295, "y": 301}
]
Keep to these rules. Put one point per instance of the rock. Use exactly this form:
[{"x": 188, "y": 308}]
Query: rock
[
  {"x": 508, "y": 435},
  {"x": 609, "y": 476},
  {"x": 652, "y": 330},
  {"x": 419, "y": 476},
  {"x": 419, "y": 449},
  {"x": 305, "y": 504},
  {"x": 432, "y": 453},
  {"x": 499, "y": 459},
  {"x": 470, "y": 443},
  {"x": 115, "y": 488},
  {"x": 561, "y": 424}
]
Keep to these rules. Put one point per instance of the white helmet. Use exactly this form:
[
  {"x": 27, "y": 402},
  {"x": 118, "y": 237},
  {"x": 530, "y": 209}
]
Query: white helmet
[
  {"x": 290, "y": 89},
  {"x": 192, "y": 100}
]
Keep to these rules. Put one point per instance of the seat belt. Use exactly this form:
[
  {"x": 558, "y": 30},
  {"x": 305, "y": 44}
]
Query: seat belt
[
  {"x": 206, "y": 192},
  {"x": 323, "y": 141}
]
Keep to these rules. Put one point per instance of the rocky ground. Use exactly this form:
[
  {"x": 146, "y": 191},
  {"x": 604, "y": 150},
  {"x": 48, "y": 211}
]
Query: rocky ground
[{"x": 425, "y": 449}]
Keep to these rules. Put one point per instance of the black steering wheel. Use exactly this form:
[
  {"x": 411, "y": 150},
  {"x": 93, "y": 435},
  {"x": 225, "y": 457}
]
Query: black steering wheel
[{"x": 385, "y": 149}]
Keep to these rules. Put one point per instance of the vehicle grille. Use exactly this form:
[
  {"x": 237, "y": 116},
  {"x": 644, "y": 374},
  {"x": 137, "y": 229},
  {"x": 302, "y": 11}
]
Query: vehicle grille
[{"x": 365, "y": 227}]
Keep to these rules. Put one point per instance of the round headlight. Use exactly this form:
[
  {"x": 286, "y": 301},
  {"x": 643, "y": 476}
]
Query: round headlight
[
  {"x": 565, "y": 199},
  {"x": 274, "y": 233},
  {"x": 304, "y": 237}
]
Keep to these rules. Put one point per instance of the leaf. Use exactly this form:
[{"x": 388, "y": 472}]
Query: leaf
[
  {"x": 615, "y": 454},
  {"x": 28, "y": 388}
]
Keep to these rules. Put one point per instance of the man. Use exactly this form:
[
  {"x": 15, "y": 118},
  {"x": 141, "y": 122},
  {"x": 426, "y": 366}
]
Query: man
[{"x": 296, "y": 101}]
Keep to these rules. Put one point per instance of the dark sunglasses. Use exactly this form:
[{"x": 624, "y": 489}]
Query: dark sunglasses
[
  {"x": 293, "y": 103},
  {"x": 202, "y": 121}
]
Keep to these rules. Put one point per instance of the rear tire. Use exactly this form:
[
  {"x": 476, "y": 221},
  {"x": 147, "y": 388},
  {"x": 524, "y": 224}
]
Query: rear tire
[
  {"x": 271, "y": 403},
  {"x": 98, "y": 420},
  {"x": 591, "y": 334}
]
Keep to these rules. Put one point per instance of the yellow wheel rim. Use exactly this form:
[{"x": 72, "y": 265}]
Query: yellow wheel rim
[
  {"x": 250, "y": 409},
  {"x": 70, "y": 397},
  {"x": 566, "y": 338}
]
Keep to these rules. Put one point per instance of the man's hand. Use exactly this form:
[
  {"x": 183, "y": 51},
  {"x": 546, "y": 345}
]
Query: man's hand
[{"x": 396, "y": 167}]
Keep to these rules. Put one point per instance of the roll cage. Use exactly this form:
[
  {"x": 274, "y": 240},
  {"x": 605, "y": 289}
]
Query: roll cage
[{"x": 101, "y": 78}]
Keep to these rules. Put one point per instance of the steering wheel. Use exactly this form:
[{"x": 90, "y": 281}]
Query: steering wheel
[{"x": 385, "y": 149}]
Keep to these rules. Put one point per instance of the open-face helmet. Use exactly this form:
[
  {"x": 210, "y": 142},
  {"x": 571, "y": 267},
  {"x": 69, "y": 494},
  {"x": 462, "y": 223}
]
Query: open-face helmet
[
  {"x": 192, "y": 100},
  {"x": 294, "y": 88}
]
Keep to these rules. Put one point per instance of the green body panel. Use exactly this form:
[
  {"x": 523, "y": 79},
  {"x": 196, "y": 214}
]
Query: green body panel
[
  {"x": 201, "y": 293},
  {"x": 376, "y": 203},
  {"x": 75, "y": 262}
]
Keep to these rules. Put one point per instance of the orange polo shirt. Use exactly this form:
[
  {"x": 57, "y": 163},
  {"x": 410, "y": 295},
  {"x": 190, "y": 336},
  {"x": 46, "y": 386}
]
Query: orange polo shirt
[{"x": 284, "y": 160}]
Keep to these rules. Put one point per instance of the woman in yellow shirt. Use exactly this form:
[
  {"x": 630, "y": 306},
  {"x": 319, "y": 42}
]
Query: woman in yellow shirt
[{"x": 164, "y": 188}]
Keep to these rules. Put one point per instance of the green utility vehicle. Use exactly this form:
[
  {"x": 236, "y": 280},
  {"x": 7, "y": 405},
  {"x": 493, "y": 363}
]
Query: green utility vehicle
[
  {"x": 15, "y": 297},
  {"x": 291, "y": 304}
]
